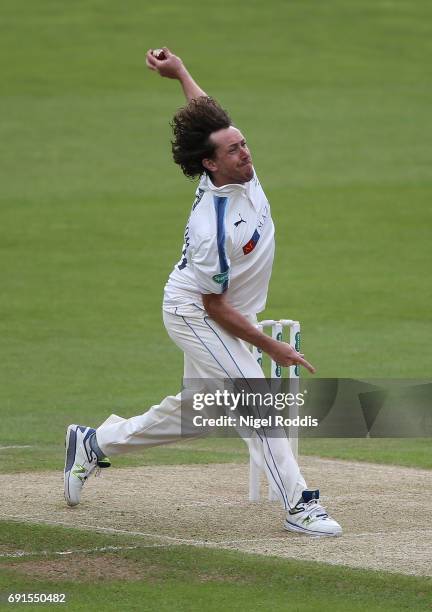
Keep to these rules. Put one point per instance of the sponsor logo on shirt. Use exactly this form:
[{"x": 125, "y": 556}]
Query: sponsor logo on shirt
[
  {"x": 221, "y": 278},
  {"x": 249, "y": 246},
  {"x": 237, "y": 223}
]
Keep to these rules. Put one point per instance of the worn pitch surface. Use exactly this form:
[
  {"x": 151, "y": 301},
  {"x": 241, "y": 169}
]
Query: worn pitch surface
[{"x": 381, "y": 509}]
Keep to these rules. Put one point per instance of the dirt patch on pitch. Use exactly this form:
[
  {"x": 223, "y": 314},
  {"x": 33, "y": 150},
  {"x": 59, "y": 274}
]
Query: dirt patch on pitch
[
  {"x": 85, "y": 569},
  {"x": 382, "y": 509},
  {"x": 106, "y": 567}
]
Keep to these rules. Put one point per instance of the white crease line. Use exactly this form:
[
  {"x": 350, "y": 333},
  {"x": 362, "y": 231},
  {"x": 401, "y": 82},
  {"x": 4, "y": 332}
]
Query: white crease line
[
  {"x": 179, "y": 541},
  {"x": 344, "y": 535},
  {"x": 377, "y": 467},
  {"x": 22, "y": 553},
  {"x": 31, "y": 519},
  {"x": 388, "y": 533},
  {"x": 15, "y": 446},
  {"x": 206, "y": 543},
  {"x": 211, "y": 504}
]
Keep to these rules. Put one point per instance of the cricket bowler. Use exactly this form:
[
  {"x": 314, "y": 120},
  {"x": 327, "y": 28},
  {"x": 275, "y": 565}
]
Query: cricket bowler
[{"x": 210, "y": 305}]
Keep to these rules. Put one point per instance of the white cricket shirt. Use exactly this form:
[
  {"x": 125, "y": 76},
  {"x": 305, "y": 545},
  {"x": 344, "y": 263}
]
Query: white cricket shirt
[{"x": 228, "y": 248}]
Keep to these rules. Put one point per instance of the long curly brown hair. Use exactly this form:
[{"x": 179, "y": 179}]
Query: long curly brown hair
[{"x": 192, "y": 126}]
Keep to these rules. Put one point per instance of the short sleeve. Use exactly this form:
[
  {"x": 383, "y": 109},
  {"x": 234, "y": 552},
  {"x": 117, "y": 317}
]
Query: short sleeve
[
  {"x": 209, "y": 257},
  {"x": 210, "y": 267}
]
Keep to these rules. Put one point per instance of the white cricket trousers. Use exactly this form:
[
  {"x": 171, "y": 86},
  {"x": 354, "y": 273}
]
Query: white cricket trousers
[{"x": 209, "y": 352}]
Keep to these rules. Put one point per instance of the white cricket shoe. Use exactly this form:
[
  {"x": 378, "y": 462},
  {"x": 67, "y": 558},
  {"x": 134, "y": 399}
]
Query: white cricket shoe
[
  {"x": 309, "y": 517},
  {"x": 80, "y": 462}
]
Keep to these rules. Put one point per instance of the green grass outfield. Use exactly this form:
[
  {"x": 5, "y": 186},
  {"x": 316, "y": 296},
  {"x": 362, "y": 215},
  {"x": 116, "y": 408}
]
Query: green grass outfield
[
  {"x": 334, "y": 98},
  {"x": 335, "y": 102},
  {"x": 414, "y": 453},
  {"x": 188, "y": 578}
]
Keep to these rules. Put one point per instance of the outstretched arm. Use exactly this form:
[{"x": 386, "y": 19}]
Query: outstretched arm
[
  {"x": 172, "y": 67},
  {"x": 237, "y": 325}
]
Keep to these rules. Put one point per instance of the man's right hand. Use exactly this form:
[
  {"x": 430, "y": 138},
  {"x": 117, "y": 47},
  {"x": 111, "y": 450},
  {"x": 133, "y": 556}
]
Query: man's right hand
[
  {"x": 285, "y": 355},
  {"x": 171, "y": 67}
]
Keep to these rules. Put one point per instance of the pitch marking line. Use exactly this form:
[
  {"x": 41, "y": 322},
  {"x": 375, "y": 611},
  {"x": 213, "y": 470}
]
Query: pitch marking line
[
  {"x": 16, "y": 446},
  {"x": 345, "y": 535},
  {"x": 203, "y": 504},
  {"x": 190, "y": 542},
  {"x": 171, "y": 539},
  {"x": 22, "y": 553},
  {"x": 174, "y": 540}
]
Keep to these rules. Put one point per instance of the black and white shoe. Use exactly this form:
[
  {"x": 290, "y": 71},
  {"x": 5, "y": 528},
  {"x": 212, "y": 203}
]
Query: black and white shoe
[
  {"x": 80, "y": 462},
  {"x": 310, "y": 518}
]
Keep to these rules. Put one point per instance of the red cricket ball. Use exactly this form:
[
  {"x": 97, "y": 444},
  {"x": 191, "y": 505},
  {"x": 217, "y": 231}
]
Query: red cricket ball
[{"x": 159, "y": 54}]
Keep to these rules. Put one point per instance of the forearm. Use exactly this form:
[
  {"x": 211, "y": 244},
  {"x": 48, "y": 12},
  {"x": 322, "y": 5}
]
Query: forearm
[
  {"x": 191, "y": 89},
  {"x": 238, "y": 325}
]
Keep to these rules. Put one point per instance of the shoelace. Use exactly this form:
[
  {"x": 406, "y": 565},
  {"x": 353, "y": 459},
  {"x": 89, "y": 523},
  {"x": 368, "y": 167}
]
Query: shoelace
[{"x": 313, "y": 508}]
